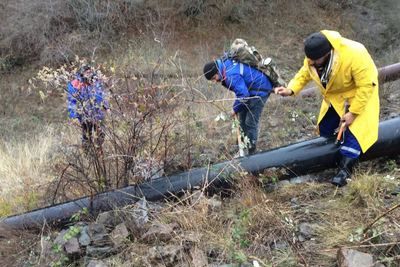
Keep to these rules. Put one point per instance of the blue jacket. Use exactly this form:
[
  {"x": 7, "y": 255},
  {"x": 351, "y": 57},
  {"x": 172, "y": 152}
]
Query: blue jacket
[
  {"x": 86, "y": 102},
  {"x": 243, "y": 80}
]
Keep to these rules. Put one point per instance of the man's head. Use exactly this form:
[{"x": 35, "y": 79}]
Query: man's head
[
  {"x": 317, "y": 48},
  {"x": 210, "y": 71},
  {"x": 86, "y": 73}
]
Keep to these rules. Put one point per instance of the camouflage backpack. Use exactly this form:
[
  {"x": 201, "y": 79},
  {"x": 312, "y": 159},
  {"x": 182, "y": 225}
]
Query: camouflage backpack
[{"x": 241, "y": 52}]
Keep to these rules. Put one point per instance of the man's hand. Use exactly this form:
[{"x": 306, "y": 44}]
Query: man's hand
[
  {"x": 233, "y": 114},
  {"x": 348, "y": 118},
  {"x": 283, "y": 91}
]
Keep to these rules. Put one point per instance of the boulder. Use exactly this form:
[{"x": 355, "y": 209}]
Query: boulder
[
  {"x": 353, "y": 258},
  {"x": 72, "y": 246},
  {"x": 159, "y": 232},
  {"x": 98, "y": 234},
  {"x": 120, "y": 234}
]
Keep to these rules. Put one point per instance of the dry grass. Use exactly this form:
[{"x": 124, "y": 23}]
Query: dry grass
[
  {"x": 251, "y": 223},
  {"x": 26, "y": 167}
]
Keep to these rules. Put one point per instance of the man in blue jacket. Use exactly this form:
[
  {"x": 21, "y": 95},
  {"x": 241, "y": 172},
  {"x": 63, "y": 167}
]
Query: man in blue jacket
[
  {"x": 86, "y": 103},
  {"x": 251, "y": 87}
]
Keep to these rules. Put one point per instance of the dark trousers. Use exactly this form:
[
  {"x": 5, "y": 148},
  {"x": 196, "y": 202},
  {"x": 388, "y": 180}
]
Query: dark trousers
[
  {"x": 92, "y": 133},
  {"x": 350, "y": 147},
  {"x": 249, "y": 118}
]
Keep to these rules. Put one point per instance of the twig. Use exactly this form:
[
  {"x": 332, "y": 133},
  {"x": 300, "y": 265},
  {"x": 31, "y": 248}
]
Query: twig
[
  {"x": 365, "y": 246},
  {"x": 394, "y": 258},
  {"x": 59, "y": 182},
  {"x": 239, "y": 137},
  {"x": 380, "y": 216}
]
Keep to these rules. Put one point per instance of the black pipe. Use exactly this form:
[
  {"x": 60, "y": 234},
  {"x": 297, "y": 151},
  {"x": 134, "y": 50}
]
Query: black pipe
[{"x": 300, "y": 158}]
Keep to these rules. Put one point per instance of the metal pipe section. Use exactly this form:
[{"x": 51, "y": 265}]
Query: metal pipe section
[
  {"x": 389, "y": 73},
  {"x": 300, "y": 158}
]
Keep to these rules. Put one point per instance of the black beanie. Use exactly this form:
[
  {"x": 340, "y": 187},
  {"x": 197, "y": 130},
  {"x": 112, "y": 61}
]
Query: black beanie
[
  {"x": 210, "y": 69},
  {"x": 316, "y": 46}
]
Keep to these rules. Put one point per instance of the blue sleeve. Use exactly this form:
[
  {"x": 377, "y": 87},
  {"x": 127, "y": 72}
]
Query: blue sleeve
[
  {"x": 100, "y": 96},
  {"x": 71, "y": 98},
  {"x": 237, "y": 85}
]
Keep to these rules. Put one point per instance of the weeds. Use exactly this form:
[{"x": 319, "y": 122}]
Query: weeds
[{"x": 24, "y": 169}]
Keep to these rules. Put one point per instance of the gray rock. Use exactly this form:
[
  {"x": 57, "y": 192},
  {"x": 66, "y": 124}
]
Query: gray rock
[
  {"x": 72, "y": 246},
  {"x": 96, "y": 263},
  {"x": 98, "y": 234},
  {"x": 137, "y": 216},
  {"x": 302, "y": 179},
  {"x": 120, "y": 234},
  {"x": 60, "y": 238},
  {"x": 160, "y": 232},
  {"x": 84, "y": 238},
  {"x": 142, "y": 212},
  {"x": 378, "y": 264},
  {"x": 169, "y": 254},
  {"x": 306, "y": 231},
  {"x": 301, "y": 238},
  {"x": 353, "y": 258},
  {"x": 279, "y": 245},
  {"x": 99, "y": 252},
  {"x": 109, "y": 218}
]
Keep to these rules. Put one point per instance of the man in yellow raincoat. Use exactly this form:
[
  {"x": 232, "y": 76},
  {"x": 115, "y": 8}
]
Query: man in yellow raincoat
[{"x": 348, "y": 80}]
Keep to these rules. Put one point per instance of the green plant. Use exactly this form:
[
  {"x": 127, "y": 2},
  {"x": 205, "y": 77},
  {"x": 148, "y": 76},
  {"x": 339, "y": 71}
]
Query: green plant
[
  {"x": 72, "y": 232},
  {"x": 60, "y": 258},
  {"x": 77, "y": 216},
  {"x": 62, "y": 261},
  {"x": 239, "y": 233}
]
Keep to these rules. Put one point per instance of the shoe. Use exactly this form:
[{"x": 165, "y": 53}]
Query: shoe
[
  {"x": 252, "y": 150},
  {"x": 346, "y": 166}
]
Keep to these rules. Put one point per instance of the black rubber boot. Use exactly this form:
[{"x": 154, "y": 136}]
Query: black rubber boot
[
  {"x": 252, "y": 149},
  {"x": 346, "y": 166}
]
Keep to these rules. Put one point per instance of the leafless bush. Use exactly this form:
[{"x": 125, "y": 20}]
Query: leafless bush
[{"x": 142, "y": 132}]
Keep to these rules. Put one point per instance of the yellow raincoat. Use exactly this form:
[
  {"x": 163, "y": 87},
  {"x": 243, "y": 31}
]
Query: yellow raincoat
[{"x": 354, "y": 78}]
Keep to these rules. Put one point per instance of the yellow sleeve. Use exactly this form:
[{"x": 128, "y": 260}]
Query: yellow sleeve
[
  {"x": 300, "y": 79},
  {"x": 365, "y": 77}
]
